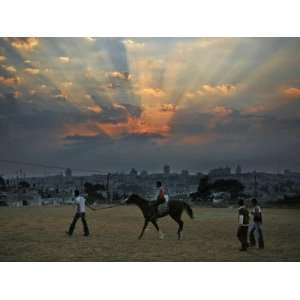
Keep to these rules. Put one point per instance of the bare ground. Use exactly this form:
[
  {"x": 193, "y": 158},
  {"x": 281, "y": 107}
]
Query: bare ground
[{"x": 38, "y": 234}]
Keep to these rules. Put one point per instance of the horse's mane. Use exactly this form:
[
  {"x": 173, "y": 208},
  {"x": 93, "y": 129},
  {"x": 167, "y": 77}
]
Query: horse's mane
[{"x": 138, "y": 197}]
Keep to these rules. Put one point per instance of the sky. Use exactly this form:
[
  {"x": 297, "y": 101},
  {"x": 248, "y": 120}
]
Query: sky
[{"x": 111, "y": 104}]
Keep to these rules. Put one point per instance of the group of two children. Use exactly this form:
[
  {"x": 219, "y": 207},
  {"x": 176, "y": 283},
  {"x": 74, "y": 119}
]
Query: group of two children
[{"x": 255, "y": 231}]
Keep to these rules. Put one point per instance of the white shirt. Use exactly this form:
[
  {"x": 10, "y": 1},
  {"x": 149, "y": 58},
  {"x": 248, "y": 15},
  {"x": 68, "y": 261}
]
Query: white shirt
[
  {"x": 167, "y": 197},
  {"x": 241, "y": 217},
  {"x": 80, "y": 201},
  {"x": 256, "y": 210}
]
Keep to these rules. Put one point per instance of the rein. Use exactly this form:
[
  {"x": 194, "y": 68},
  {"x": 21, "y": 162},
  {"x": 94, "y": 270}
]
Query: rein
[{"x": 107, "y": 207}]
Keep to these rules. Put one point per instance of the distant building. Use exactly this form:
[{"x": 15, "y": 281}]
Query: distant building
[
  {"x": 2, "y": 181},
  {"x": 185, "y": 173},
  {"x": 68, "y": 172},
  {"x": 220, "y": 172},
  {"x": 167, "y": 170},
  {"x": 289, "y": 172},
  {"x": 144, "y": 174},
  {"x": 238, "y": 170},
  {"x": 133, "y": 172}
]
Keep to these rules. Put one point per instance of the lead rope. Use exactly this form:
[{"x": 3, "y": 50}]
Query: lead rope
[{"x": 107, "y": 207}]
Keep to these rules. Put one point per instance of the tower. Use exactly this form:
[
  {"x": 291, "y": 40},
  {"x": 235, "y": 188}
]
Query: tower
[
  {"x": 68, "y": 172},
  {"x": 167, "y": 170},
  {"x": 238, "y": 170}
]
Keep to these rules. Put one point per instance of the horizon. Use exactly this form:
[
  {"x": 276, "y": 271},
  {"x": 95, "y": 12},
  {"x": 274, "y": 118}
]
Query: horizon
[{"x": 21, "y": 172}]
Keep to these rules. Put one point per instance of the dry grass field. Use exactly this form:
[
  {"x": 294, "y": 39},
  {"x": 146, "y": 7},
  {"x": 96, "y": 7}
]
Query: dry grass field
[{"x": 38, "y": 234}]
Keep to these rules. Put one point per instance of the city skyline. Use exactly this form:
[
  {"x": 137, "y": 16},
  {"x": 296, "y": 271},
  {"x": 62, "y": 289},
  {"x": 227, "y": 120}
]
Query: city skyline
[
  {"x": 118, "y": 103},
  {"x": 24, "y": 171}
]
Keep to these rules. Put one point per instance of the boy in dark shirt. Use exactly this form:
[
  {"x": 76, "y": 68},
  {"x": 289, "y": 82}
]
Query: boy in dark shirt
[
  {"x": 243, "y": 221},
  {"x": 256, "y": 225}
]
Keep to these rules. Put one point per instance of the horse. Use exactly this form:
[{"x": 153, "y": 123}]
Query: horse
[{"x": 151, "y": 214}]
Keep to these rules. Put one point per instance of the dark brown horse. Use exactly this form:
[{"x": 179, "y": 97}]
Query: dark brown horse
[{"x": 175, "y": 209}]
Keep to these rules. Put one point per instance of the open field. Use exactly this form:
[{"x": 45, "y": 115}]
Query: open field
[{"x": 38, "y": 234}]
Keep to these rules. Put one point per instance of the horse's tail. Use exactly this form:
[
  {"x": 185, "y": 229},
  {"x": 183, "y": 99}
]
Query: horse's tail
[{"x": 189, "y": 210}]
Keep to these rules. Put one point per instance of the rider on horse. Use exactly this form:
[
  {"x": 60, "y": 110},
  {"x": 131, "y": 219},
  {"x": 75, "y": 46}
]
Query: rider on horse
[{"x": 160, "y": 197}]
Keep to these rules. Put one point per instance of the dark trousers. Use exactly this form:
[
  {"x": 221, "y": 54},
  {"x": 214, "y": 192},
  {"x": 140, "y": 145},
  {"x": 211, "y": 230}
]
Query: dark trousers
[
  {"x": 256, "y": 228},
  {"x": 242, "y": 235},
  {"x": 159, "y": 202},
  {"x": 156, "y": 204},
  {"x": 75, "y": 219}
]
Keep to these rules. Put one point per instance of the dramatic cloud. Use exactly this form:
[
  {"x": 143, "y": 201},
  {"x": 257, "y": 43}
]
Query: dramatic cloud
[
  {"x": 95, "y": 108},
  {"x": 255, "y": 109},
  {"x": 133, "y": 126},
  {"x": 17, "y": 94},
  {"x": 152, "y": 92},
  {"x": 10, "y": 69},
  {"x": 194, "y": 103},
  {"x": 67, "y": 84},
  {"x": 292, "y": 91},
  {"x": 26, "y": 44},
  {"x": 120, "y": 75},
  {"x": 168, "y": 107},
  {"x": 59, "y": 96},
  {"x": 64, "y": 59},
  {"x": 224, "y": 89},
  {"x": 222, "y": 111},
  {"x": 213, "y": 90},
  {"x": 10, "y": 81},
  {"x": 132, "y": 45},
  {"x": 90, "y": 39},
  {"x": 32, "y": 71}
]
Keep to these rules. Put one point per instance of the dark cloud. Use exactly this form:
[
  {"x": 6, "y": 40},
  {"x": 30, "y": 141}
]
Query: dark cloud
[
  {"x": 133, "y": 110},
  {"x": 210, "y": 130},
  {"x": 141, "y": 137},
  {"x": 87, "y": 140},
  {"x": 117, "y": 53},
  {"x": 189, "y": 122}
]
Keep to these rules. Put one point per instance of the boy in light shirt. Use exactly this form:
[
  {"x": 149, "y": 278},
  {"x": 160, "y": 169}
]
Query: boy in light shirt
[
  {"x": 256, "y": 226},
  {"x": 80, "y": 214}
]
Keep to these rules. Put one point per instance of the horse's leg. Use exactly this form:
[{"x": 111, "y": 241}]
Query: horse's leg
[
  {"x": 144, "y": 227},
  {"x": 161, "y": 234},
  {"x": 178, "y": 220}
]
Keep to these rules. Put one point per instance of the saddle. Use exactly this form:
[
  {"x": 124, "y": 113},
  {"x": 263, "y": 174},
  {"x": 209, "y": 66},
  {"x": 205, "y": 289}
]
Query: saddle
[{"x": 163, "y": 208}]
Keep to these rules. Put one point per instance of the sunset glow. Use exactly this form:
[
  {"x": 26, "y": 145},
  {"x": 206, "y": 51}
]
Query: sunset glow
[{"x": 207, "y": 97}]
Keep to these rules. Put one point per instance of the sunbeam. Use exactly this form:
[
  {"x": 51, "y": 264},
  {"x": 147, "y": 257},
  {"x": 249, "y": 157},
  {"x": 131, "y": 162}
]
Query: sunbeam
[{"x": 178, "y": 95}]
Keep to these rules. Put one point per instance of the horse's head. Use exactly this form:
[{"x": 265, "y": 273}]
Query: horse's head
[{"x": 132, "y": 199}]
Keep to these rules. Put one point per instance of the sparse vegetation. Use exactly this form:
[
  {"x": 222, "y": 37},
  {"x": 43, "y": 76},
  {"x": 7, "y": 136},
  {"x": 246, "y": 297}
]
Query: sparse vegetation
[{"x": 38, "y": 234}]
